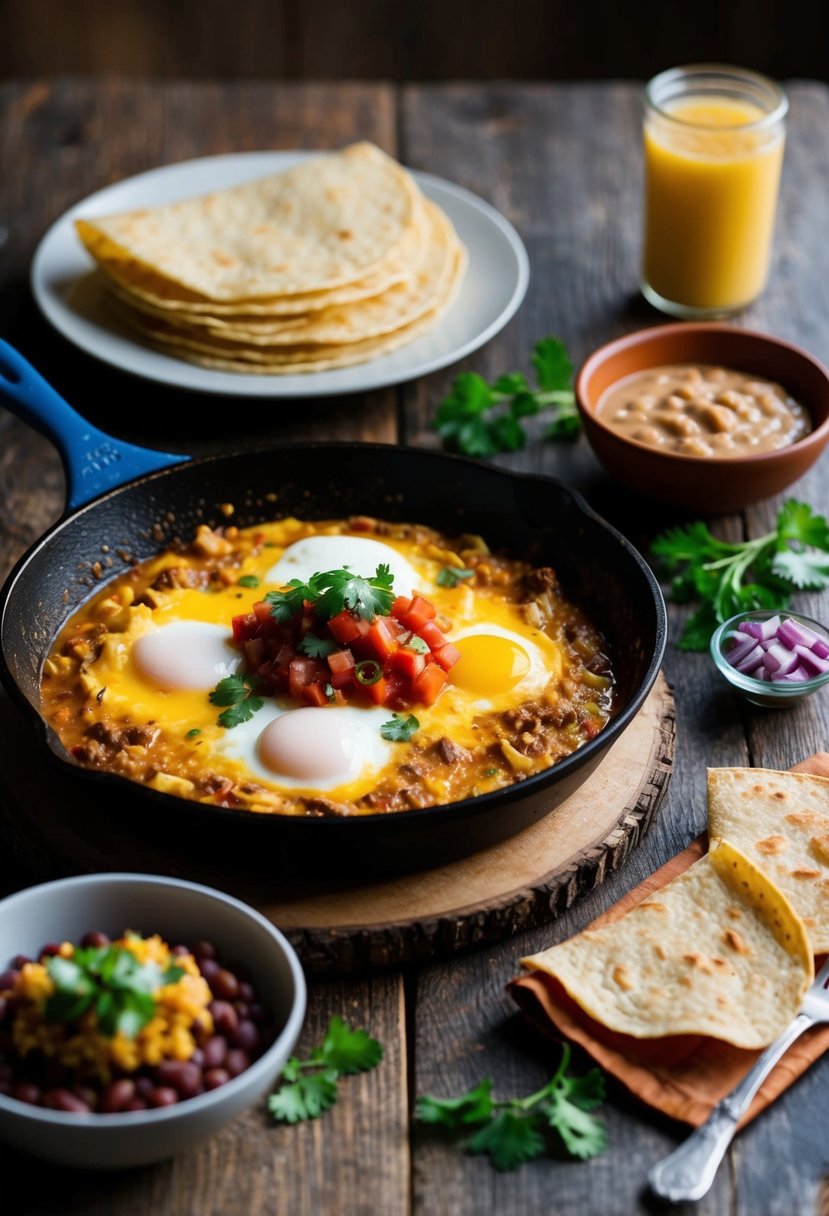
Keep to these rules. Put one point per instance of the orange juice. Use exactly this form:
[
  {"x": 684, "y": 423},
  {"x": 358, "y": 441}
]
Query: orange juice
[{"x": 712, "y": 171}]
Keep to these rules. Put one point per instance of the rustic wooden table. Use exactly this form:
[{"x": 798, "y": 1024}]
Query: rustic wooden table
[{"x": 562, "y": 162}]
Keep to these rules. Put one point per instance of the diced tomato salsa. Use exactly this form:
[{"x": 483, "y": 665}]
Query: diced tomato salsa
[{"x": 398, "y": 660}]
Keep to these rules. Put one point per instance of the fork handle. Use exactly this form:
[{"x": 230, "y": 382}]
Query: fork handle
[{"x": 688, "y": 1172}]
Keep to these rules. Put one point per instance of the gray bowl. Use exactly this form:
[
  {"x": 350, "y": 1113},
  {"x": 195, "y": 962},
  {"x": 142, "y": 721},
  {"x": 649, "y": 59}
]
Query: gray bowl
[{"x": 179, "y": 911}]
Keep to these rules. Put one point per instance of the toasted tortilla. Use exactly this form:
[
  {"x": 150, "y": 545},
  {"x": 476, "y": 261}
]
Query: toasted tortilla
[
  {"x": 781, "y": 822},
  {"x": 719, "y": 951},
  {"x": 328, "y": 221}
]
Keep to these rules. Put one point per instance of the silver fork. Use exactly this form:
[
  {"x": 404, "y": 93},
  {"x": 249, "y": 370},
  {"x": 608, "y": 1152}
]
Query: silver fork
[{"x": 688, "y": 1172}]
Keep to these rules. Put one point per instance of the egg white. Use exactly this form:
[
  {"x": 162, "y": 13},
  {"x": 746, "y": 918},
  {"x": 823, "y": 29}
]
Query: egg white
[{"x": 316, "y": 554}]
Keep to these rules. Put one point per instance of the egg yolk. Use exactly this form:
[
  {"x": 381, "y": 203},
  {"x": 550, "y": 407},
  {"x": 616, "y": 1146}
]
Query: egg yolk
[{"x": 489, "y": 664}]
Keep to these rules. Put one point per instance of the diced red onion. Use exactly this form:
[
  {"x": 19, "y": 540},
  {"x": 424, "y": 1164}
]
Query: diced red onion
[{"x": 781, "y": 651}]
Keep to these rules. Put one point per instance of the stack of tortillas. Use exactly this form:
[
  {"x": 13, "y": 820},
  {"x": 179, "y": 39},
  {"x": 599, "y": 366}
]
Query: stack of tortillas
[
  {"x": 332, "y": 262},
  {"x": 726, "y": 948}
]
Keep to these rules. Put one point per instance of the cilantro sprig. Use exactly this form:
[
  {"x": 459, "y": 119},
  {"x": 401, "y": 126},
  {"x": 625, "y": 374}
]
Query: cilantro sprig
[
  {"x": 309, "y": 1087},
  {"x": 450, "y": 576},
  {"x": 110, "y": 980},
  {"x": 400, "y": 728},
  {"x": 469, "y": 420},
  {"x": 518, "y": 1129},
  {"x": 332, "y": 591},
  {"x": 727, "y": 578},
  {"x": 237, "y": 692}
]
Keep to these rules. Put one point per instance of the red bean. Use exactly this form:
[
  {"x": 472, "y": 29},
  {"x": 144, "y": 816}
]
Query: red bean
[
  {"x": 224, "y": 985},
  {"x": 182, "y": 1075},
  {"x": 64, "y": 1099},
  {"x": 51, "y": 948},
  {"x": 256, "y": 1012},
  {"x": 19, "y": 961},
  {"x": 26, "y": 1091},
  {"x": 8, "y": 978},
  {"x": 136, "y": 1104},
  {"x": 242, "y": 1009},
  {"x": 95, "y": 939},
  {"x": 87, "y": 1094},
  {"x": 246, "y": 1036},
  {"x": 203, "y": 950},
  {"x": 214, "y": 1077},
  {"x": 179, "y": 950},
  {"x": 117, "y": 1096},
  {"x": 209, "y": 969},
  {"x": 197, "y": 1057},
  {"x": 236, "y": 1061},
  {"x": 246, "y": 991},
  {"x": 225, "y": 1017},
  {"x": 163, "y": 1095},
  {"x": 215, "y": 1050},
  {"x": 144, "y": 1086}
]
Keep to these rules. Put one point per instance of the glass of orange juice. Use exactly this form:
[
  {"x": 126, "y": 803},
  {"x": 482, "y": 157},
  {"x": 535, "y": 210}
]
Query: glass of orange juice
[{"x": 714, "y": 140}]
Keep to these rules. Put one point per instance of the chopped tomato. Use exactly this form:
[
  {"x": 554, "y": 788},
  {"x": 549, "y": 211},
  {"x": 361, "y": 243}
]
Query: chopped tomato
[
  {"x": 346, "y": 627},
  {"x": 381, "y": 638},
  {"x": 419, "y": 613},
  {"x": 245, "y": 627},
  {"x": 432, "y": 636},
  {"x": 262, "y": 611},
  {"x": 341, "y": 661},
  {"x": 315, "y": 694},
  {"x": 255, "y": 653},
  {"x": 447, "y": 656},
  {"x": 408, "y": 662},
  {"x": 426, "y": 686},
  {"x": 301, "y": 673},
  {"x": 400, "y": 607},
  {"x": 377, "y": 691}
]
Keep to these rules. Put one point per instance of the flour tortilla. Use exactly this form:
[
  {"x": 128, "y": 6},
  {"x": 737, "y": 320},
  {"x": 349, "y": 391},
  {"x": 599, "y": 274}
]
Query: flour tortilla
[
  {"x": 290, "y": 360},
  {"x": 346, "y": 323},
  {"x": 718, "y": 951},
  {"x": 326, "y": 222},
  {"x": 145, "y": 288},
  {"x": 781, "y": 822}
]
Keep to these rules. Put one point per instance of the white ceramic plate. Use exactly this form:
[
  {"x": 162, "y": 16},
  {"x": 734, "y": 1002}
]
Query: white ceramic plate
[{"x": 70, "y": 297}]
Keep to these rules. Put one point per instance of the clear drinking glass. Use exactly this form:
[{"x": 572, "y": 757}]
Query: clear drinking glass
[{"x": 714, "y": 139}]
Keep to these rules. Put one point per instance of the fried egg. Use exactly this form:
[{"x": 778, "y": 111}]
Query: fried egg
[
  {"x": 333, "y": 747},
  {"x": 185, "y": 655},
  {"x": 315, "y": 554},
  {"x": 496, "y": 662}
]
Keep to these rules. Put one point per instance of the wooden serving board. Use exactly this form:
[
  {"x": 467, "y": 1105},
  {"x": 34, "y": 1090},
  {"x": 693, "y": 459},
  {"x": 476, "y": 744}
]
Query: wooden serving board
[{"x": 500, "y": 891}]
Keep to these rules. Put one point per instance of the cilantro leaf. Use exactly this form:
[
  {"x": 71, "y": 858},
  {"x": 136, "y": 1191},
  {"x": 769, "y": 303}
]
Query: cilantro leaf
[
  {"x": 509, "y": 1139},
  {"x": 472, "y": 1107},
  {"x": 309, "y": 1087},
  {"x": 552, "y": 365},
  {"x": 797, "y": 522},
  {"x": 727, "y": 578},
  {"x": 512, "y": 1132},
  {"x": 349, "y": 1051},
  {"x": 191, "y": 734},
  {"x": 400, "y": 728},
  {"x": 450, "y": 576},
  {"x": 316, "y": 648},
  {"x": 291, "y": 601},
  {"x": 237, "y": 693},
  {"x": 248, "y": 580},
  {"x": 110, "y": 979},
  {"x": 481, "y": 419},
  {"x": 305, "y": 1098},
  {"x": 235, "y": 715},
  {"x": 231, "y": 690},
  {"x": 805, "y": 570},
  {"x": 367, "y": 597}
]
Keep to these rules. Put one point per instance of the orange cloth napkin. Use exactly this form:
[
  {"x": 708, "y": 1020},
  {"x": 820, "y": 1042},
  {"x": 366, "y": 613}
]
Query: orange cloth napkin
[{"x": 685, "y": 1076}]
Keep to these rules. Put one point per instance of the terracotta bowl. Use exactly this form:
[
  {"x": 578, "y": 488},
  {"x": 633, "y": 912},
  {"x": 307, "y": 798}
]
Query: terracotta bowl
[{"x": 699, "y": 483}]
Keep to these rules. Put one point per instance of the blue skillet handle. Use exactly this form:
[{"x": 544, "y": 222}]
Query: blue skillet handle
[{"x": 94, "y": 461}]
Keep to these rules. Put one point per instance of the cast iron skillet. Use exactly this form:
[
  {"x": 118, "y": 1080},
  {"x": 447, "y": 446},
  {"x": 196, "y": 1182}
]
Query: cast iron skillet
[{"x": 135, "y": 501}]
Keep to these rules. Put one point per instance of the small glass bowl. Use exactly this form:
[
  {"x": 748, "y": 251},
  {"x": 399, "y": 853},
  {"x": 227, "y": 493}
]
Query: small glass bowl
[{"x": 768, "y": 694}]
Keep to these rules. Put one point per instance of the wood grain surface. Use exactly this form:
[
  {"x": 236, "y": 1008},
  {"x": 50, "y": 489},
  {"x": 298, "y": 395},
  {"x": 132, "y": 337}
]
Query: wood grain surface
[{"x": 563, "y": 163}]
